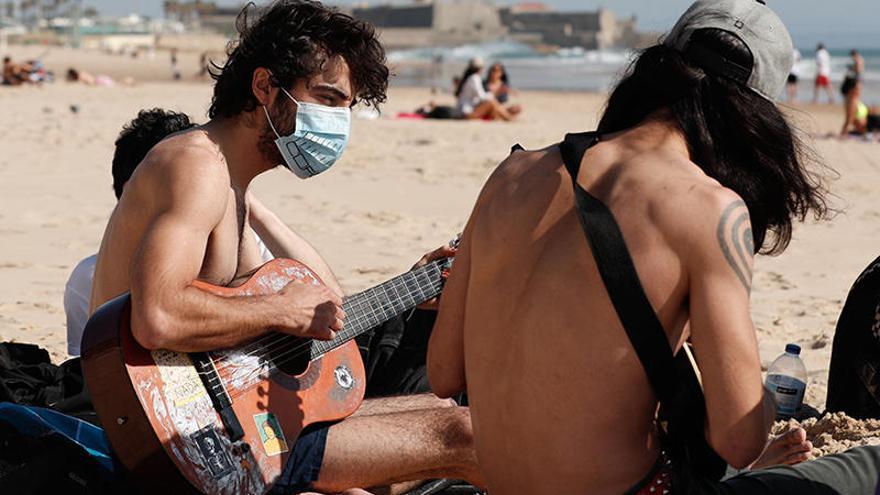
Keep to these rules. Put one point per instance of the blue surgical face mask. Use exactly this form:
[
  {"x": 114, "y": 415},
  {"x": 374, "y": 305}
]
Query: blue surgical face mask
[{"x": 318, "y": 140}]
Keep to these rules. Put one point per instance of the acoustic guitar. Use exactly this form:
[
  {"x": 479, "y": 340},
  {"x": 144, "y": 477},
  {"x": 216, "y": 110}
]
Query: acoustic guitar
[{"x": 225, "y": 422}]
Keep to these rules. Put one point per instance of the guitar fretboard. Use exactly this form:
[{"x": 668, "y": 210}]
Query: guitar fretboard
[{"x": 378, "y": 304}]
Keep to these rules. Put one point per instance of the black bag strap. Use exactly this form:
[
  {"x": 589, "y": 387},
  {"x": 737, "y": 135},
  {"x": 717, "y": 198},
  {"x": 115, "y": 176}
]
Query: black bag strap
[{"x": 619, "y": 275}]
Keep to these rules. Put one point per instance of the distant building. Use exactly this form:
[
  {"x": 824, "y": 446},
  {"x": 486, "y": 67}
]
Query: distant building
[
  {"x": 203, "y": 15},
  {"x": 536, "y": 23},
  {"x": 443, "y": 22}
]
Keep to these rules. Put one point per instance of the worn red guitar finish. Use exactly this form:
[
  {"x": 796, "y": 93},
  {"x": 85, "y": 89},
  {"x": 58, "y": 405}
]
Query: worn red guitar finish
[{"x": 225, "y": 422}]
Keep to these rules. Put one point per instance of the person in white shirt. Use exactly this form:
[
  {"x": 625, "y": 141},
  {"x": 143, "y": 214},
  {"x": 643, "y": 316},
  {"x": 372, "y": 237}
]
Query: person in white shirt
[
  {"x": 823, "y": 74},
  {"x": 474, "y": 102}
]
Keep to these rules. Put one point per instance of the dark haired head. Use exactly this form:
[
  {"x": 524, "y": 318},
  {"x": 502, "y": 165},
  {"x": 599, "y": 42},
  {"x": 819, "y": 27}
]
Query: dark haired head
[
  {"x": 736, "y": 136},
  {"x": 500, "y": 67},
  {"x": 138, "y": 136},
  {"x": 820, "y": 46},
  {"x": 6, "y": 60},
  {"x": 293, "y": 39}
]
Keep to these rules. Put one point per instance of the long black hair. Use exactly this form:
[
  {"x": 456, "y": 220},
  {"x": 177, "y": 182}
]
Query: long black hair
[
  {"x": 293, "y": 38},
  {"x": 468, "y": 72},
  {"x": 733, "y": 134}
]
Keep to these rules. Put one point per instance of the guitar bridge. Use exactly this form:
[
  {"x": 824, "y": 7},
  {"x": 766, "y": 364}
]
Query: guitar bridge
[{"x": 217, "y": 392}]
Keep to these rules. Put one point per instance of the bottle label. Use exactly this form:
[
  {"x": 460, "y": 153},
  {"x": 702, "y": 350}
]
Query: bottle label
[{"x": 788, "y": 392}]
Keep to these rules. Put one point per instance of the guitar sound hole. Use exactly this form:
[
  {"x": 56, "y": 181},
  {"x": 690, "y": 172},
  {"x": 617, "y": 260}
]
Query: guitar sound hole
[{"x": 291, "y": 356}]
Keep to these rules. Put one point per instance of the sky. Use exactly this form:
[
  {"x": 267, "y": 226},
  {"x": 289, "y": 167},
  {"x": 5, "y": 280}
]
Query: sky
[{"x": 838, "y": 23}]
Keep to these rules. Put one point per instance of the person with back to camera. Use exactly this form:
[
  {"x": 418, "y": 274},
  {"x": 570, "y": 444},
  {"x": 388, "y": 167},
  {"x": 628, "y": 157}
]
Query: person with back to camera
[{"x": 626, "y": 242}]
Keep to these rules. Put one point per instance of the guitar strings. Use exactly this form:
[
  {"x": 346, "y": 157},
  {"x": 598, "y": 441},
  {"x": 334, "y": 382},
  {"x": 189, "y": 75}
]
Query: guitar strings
[
  {"x": 272, "y": 366},
  {"x": 359, "y": 303},
  {"x": 274, "y": 362},
  {"x": 265, "y": 340}
]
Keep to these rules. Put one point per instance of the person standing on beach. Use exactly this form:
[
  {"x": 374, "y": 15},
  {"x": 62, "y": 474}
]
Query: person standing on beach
[
  {"x": 283, "y": 97},
  {"x": 175, "y": 68},
  {"x": 823, "y": 74},
  {"x": 585, "y": 264}
]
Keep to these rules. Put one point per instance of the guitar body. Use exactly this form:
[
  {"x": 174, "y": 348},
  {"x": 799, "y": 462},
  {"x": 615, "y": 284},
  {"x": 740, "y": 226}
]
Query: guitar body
[{"x": 164, "y": 424}]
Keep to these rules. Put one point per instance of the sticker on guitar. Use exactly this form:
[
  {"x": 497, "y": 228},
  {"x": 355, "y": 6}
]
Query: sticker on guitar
[{"x": 271, "y": 435}]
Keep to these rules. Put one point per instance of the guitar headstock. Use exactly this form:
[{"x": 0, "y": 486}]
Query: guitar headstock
[{"x": 446, "y": 263}]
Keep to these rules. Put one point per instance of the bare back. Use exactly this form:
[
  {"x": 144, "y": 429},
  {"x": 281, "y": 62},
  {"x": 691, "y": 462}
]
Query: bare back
[
  {"x": 559, "y": 337},
  {"x": 559, "y": 400}
]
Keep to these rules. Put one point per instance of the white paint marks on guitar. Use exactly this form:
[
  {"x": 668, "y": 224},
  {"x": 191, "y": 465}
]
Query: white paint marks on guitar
[
  {"x": 241, "y": 369},
  {"x": 190, "y": 415}
]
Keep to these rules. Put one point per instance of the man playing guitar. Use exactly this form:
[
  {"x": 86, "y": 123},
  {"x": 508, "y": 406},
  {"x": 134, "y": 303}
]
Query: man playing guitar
[{"x": 283, "y": 96}]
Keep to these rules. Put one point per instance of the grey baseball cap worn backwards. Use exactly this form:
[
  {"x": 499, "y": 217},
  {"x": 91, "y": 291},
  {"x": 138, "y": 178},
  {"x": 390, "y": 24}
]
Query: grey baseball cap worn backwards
[{"x": 758, "y": 27}]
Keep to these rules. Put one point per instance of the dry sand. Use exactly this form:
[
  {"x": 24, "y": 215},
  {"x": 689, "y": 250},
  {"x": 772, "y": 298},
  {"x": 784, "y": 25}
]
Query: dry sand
[{"x": 402, "y": 188}]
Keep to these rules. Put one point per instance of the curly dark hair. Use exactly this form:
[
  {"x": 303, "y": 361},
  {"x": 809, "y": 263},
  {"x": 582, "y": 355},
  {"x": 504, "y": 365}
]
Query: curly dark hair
[
  {"x": 293, "y": 39},
  {"x": 138, "y": 136}
]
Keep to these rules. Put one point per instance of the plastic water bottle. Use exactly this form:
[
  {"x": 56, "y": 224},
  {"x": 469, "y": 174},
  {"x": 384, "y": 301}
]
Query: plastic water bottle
[{"x": 787, "y": 381}]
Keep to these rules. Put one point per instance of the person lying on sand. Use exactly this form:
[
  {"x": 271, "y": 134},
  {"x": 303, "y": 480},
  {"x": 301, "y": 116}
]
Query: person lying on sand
[
  {"x": 14, "y": 74},
  {"x": 582, "y": 263},
  {"x": 288, "y": 84}
]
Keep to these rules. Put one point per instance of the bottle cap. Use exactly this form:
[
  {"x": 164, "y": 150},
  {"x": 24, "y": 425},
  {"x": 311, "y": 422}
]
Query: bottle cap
[{"x": 793, "y": 349}]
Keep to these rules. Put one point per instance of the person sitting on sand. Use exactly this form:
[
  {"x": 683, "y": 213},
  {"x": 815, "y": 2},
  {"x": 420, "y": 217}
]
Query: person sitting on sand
[
  {"x": 497, "y": 82},
  {"x": 13, "y": 74},
  {"x": 473, "y": 100},
  {"x": 583, "y": 263},
  {"x": 288, "y": 84},
  {"x": 859, "y": 118},
  {"x": 393, "y": 353}
]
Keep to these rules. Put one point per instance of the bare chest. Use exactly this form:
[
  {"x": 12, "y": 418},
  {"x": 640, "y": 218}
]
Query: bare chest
[{"x": 231, "y": 249}]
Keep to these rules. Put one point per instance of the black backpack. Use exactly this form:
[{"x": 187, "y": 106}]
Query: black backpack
[{"x": 854, "y": 374}]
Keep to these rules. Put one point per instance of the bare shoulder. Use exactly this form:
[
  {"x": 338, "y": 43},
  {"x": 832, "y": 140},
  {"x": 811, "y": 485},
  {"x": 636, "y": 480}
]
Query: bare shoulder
[
  {"x": 710, "y": 225},
  {"x": 187, "y": 153},
  {"x": 185, "y": 158},
  {"x": 523, "y": 166},
  {"x": 186, "y": 169}
]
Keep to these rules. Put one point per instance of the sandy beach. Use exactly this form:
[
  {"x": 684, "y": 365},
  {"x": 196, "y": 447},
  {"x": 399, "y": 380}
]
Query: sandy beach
[{"x": 402, "y": 188}]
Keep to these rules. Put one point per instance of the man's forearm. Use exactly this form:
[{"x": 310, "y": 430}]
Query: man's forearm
[{"x": 197, "y": 321}]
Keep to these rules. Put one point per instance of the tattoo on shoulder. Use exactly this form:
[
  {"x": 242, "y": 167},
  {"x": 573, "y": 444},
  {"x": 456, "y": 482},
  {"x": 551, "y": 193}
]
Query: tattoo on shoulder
[{"x": 735, "y": 238}]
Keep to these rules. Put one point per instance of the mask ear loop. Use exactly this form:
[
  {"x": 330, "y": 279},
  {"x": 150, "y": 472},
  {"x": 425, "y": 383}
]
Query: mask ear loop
[
  {"x": 290, "y": 96},
  {"x": 270, "y": 121}
]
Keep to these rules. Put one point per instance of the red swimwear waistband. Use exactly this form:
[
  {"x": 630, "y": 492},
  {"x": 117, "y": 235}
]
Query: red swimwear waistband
[{"x": 657, "y": 482}]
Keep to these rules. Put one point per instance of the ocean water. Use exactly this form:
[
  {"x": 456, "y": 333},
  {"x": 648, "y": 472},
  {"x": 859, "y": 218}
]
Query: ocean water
[{"x": 582, "y": 70}]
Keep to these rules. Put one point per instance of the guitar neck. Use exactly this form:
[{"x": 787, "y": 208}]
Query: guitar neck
[{"x": 379, "y": 304}]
